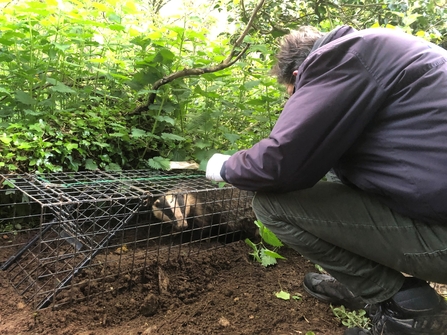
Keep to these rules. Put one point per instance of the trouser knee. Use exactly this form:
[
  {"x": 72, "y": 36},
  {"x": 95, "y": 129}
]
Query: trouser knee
[
  {"x": 261, "y": 205},
  {"x": 257, "y": 200}
]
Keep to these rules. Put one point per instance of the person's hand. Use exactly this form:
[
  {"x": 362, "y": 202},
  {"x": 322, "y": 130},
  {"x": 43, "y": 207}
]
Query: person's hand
[{"x": 215, "y": 165}]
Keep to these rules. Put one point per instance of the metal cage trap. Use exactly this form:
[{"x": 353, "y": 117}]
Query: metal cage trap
[{"x": 77, "y": 230}]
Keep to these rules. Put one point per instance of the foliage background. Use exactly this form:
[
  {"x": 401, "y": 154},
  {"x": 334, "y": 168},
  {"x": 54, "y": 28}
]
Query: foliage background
[{"x": 88, "y": 85}]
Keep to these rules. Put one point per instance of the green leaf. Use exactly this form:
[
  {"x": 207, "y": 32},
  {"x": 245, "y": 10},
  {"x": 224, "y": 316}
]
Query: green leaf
[
  {"x": 201, "y": 144},
  {"x": 143, "y": 78},
  {"x": 4, "y": 90},
  {"x": 4, "y": 139},
  {"x": 114, "y": 18},
  {"x": 98, "y": 60},
  {"x": 251, "y": 244},
  {"x": 164, "y": 118},
  {"x": 297, "y": 296},
  {"x": 116, "y": 27},
  {"x": 33, "y": 112},
  {"x": 37, "y": 127},
  {"x": 62, "y": 88},
  {"x": 5, "y": 112},
  {"x": 255, "y": 252},
  {"x": 113, "y": 167},
  {"x": 118, "y": 134},
  {"x": 25, "y": 145},
  {"x": 251, "y": 84},
  {"x": 62, "y": 47},
  {"x": 137, "y": 133},
  {"x": 261, "y": 48},
  {"x": 90, "y": 164},
  {"x": 191, "y": 34},
  {"x": 24, "y": 98},
  {"x": 141, "y": 41},
  {"x": 271, "y": 238},
  {"x": 119, "y": 76},
  {"x": 167, "y": 55},
  {"x": 159, "y": 163},
  {"x": 74, "y": 164},
  {"x": 232, "y": 137},
  {"x": 273, "y": 254},
  {"x": 267, "y": 260},
  {"x": 178, "y": 30},
  {"x": 172, "y": 137},
  {"x": 100, "y": 6},
  {"x": 283, "y": 295},
  {"x": 71, "y": 146},
  {"x": 267, "y": 235}
]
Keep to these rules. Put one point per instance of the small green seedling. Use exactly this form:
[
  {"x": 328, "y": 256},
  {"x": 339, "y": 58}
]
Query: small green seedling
[
  {"x": 261, "y": 253},
  {"x": 352, "y": 319},
  {"x": 297, "y": 296}
]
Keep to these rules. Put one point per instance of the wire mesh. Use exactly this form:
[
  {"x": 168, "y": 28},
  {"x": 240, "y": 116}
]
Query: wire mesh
[{"x": 66, "y": 235}]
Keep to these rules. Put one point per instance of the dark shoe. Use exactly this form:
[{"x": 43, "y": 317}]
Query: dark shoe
[
  {"x": 415, "y": 310},
  {"x": 327, "y": 289},
  {"x": 357, "y": 331}
]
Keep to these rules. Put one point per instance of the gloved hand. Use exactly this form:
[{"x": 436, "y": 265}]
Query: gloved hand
[{"x": 215, "y": 165}]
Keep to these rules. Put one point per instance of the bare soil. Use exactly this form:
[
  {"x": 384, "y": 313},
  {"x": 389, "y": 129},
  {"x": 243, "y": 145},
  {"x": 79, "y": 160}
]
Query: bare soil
[{"x": 220, "y": 291}]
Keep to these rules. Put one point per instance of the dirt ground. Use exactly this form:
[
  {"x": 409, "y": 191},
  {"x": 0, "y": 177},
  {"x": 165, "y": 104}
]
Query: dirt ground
[{"x": 220, "y": 291}]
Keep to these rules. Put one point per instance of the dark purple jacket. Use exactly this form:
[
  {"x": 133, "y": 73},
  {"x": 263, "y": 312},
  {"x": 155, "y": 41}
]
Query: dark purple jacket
[{"x": 371, "y": 104}]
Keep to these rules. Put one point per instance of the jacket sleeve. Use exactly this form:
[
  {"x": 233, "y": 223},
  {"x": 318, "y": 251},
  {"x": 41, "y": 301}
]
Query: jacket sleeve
[{"x": 336, "y": 97}]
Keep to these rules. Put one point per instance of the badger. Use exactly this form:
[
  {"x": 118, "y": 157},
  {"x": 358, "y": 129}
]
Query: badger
[
  {"x": 224, "y": 209},
  {"x": 177, "y": 206}
]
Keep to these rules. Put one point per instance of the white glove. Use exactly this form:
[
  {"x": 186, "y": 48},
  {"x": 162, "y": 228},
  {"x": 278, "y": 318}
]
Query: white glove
[{"x": 215, "y": 165}]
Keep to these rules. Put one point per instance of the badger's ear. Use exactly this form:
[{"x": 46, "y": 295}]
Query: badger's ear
[{"x": 160, "y": 203}]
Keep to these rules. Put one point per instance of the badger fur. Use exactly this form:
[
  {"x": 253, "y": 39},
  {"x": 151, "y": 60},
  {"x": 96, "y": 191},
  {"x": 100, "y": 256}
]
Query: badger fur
[{"x": 226, "y": 209}]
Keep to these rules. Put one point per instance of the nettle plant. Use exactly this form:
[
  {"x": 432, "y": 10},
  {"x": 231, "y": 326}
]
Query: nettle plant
[
  {"x": 63, "y": 71},
  {"x": 265, "y": 251},
  {"x": 73, "y": 76}
]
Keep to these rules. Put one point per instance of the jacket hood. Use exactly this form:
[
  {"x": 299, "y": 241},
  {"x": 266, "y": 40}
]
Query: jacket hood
[{"x": 333, "y": 35}]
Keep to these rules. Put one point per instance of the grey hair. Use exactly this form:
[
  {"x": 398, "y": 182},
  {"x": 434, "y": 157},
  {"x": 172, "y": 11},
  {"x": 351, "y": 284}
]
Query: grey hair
[{"x": 293, "y": 50}]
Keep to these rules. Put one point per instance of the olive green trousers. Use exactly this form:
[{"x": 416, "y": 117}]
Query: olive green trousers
[{"x": 362, "y": 243}]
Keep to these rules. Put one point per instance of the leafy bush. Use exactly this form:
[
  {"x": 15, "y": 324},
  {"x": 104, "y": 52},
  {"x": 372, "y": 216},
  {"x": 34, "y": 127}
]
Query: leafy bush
[{"x": 73, "y": 75}]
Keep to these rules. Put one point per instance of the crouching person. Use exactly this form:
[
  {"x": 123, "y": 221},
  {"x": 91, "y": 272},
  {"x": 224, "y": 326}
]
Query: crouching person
[{"x": 372, "y": 106}]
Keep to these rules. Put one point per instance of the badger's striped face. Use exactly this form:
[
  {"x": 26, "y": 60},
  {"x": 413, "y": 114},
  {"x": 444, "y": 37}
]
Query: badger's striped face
[{"x": 172, "y": 208}]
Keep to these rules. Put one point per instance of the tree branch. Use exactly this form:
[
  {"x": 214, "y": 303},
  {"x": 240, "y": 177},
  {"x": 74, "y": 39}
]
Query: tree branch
[
  {"x": 186, "y": 73},
  {"x": 232, "y": 58},
  {"x": 250, "y": 23}
]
